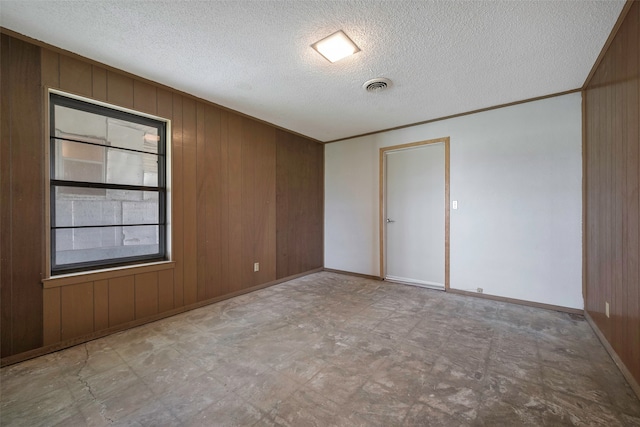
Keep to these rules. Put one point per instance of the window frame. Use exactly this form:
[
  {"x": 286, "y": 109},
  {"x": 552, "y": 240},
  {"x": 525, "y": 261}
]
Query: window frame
[{"x": 58, "y": 98}]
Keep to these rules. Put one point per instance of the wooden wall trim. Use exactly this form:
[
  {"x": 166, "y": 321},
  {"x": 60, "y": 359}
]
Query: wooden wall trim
[
  {"x": 139, "y": 79},
  {"x": 447, "y": 214},
  {"x": 130, "y": 270},
  {"x": 473, "y": 294},
  {"x": 381, "y": 205},
  {"x": 453, "y": 116},
  {"x": 605, "y": 48},
  {"x": 351, "y": 273},
  {"x": 584, "y": 197},
  {"x": 616, "y": 359},
  {"x": 17, "y": 358},
  {"x": 517, "y": 301}
]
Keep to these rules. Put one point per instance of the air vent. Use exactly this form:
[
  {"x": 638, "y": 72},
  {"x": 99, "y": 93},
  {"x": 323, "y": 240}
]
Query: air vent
[{"x": 377, "y": 85}]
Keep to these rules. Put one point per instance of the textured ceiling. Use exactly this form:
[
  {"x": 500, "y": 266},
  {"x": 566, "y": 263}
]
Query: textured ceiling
[{"x": 444, "y": 57}]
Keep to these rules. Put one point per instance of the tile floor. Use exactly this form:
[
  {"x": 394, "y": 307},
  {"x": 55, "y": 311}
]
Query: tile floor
[{"x": 331, "y": 350}]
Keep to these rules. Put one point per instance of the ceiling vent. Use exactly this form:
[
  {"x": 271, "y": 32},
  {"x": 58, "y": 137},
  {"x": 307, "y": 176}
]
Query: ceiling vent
[{"x": 376, "y": 85}]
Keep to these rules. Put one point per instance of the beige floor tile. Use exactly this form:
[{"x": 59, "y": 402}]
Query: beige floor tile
[
  {"x": 186, "y": 400},
  {"x": 331, "y": 350},
  {"x": 229, "y": 410}
]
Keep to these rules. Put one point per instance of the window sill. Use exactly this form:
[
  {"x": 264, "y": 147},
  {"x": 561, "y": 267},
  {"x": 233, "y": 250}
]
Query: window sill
[{"x": 108, "y": 273}]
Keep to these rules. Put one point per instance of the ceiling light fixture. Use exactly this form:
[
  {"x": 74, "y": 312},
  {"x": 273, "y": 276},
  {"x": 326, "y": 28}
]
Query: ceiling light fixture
[{"x": 336, "y": 46}]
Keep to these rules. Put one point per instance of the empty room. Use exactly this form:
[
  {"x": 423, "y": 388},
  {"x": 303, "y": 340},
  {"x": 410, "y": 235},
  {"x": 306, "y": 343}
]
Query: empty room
[{"x": 320, "y": 213}]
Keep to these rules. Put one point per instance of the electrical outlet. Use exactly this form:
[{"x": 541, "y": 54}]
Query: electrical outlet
[
  {"x": 480, "y": 290},
  {"x": 256, "y": 266},
  {"x": 606, "y": 308},
  {"x": 455, "y": 204}
]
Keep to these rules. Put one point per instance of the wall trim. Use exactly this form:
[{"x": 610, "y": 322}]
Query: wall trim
[
  {"x": 518, "y": 301},
  {"x": 68, "y": 53},
  {"x": 477, "y": 295},
  {"x": 635, "y": 386},
  {"x": 584, "y": 195},
  {"x": 41, "y": 351},
  {"x": 453, "y": 116},
  {"x": 110, "y": 273},
  {"x": 382, "y": 176},
  {"x": 351, "y": 273}
]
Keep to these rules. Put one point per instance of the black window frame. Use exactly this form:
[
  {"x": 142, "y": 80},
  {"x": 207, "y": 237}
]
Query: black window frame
[{"x": 56, "y": 99}]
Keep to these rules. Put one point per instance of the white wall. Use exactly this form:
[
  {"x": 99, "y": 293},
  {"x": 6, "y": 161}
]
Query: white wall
[{"x": 516, "y": 173}]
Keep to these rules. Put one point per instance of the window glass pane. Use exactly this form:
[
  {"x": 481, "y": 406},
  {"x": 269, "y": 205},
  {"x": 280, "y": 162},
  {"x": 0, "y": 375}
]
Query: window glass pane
[
  {"x": 84, "y": 152},
  {"x": 113, "y": 207},
  {"x": 83, "y": 162},
  {"x": 70, "y": 122},
  {"x": 81, "y": 125},
  {"x": 134, "y": 136},
  {"x": 94, "y": 244},
  {"x": 126, "y": 167},
  {"x": 79, "y": 162}
]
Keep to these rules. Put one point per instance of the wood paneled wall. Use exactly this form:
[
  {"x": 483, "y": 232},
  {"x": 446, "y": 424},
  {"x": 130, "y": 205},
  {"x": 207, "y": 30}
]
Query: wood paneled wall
[
  {"x": 300, "y": 178},
  {"x": 80, "y": 309},
  {"x": 612, "y": 203},
  {"x": 21, "y": 198},
  {"x": 242, "y": 192}
]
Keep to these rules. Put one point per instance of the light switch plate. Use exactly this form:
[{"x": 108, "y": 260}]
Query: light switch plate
[{"x": 455, "y": 204}]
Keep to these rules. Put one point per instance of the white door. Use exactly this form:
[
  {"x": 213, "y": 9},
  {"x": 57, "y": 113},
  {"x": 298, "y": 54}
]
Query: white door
[{"x": 415, "y": 215}]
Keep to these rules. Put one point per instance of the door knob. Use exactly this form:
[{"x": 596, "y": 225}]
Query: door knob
[{"x": 389, "y": 220}]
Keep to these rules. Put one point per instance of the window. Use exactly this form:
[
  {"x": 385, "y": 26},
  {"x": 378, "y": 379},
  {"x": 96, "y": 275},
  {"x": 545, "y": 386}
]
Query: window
[{"x": 107, "y": 186}]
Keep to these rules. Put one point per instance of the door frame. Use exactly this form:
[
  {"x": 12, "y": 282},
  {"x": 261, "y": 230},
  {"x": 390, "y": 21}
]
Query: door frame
[{"x": 382, "y": 201}]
